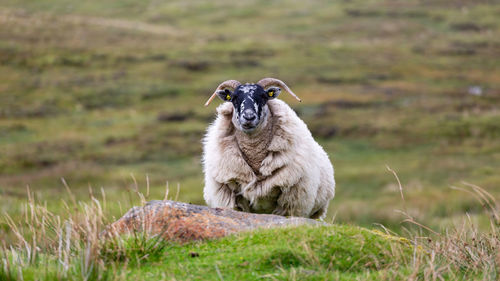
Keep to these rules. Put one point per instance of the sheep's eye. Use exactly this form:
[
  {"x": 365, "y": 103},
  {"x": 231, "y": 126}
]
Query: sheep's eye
[
  {"x": 271, "y": 93},
  {"x": 228, "y": 97}
]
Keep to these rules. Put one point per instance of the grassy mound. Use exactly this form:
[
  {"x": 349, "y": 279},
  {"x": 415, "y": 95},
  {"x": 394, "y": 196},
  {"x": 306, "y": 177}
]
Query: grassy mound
[
  {"x": 51, "y": 247},
  {"x": 306, "y": 252},
  {"x": 299, "y": 252}
]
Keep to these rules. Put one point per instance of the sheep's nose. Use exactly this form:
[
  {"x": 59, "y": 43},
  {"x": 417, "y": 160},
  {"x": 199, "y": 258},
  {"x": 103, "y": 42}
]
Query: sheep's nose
[{"x": 249, "y": 115}]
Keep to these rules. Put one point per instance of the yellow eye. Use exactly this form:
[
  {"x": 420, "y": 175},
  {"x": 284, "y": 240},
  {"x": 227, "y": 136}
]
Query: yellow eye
[
  {"x": 271, "y": 93},
  {"x": 228, "y": 97}
]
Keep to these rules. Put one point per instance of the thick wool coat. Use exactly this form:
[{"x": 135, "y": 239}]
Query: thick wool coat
[{"x": 296, "y": 177}]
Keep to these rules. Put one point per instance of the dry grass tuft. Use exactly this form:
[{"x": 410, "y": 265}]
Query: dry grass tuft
[
  {"x": 460, "y": 251},
  {"x": 71, "y": 247}
]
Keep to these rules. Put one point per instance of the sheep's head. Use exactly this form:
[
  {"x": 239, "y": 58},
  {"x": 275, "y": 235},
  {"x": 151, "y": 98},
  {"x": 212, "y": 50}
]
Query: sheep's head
[{"x": 250, "y": 100}]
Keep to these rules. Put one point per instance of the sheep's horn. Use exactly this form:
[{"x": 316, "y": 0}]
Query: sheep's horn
[
  {"x": 266, "y": 82},
  {"x": 233, "y": 84}
]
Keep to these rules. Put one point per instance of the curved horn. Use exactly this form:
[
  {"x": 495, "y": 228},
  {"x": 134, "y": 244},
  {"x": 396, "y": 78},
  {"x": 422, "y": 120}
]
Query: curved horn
[
  {"x": 266, "y": 82},
  {"x": 233, "y": 84}
]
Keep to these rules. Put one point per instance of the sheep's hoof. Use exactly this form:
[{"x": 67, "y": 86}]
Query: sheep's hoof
[
  {"x": 242, "y": 204},
  {"x": 280, "y": 211}
]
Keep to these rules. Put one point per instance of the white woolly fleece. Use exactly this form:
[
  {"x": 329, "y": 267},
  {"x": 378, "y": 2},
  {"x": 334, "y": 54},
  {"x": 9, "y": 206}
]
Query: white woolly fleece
[{"x": 296, "y": 177}]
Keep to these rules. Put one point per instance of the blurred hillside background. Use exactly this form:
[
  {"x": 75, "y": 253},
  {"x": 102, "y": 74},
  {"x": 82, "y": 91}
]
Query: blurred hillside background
[{"x": 97, "y": 91}]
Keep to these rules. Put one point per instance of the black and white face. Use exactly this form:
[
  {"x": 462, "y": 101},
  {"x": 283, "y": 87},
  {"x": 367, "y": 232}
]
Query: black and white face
[{"x": 250, "y": 104}]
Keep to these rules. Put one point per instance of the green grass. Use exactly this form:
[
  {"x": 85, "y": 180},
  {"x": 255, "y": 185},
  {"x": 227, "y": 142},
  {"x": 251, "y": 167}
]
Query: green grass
[
  {"x": 335, "y": 252},
  {"x": 338, "y": 252},
  {"x": 88, "y": 95},
  {"x": 109, "y": 96},
  {"x": 311, "y": 253},
  {"x": 69, "y": 244}
]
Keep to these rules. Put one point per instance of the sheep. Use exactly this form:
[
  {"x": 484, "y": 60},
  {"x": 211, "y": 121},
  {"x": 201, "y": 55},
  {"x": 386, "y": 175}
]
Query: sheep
[{"x": 260, "y": 157}]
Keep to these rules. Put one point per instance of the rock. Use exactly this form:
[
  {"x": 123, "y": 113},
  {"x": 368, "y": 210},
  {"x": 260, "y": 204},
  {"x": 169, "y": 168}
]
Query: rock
[
  {"x": 475, "y": 90},
  {"x": 181, "y": 222}
]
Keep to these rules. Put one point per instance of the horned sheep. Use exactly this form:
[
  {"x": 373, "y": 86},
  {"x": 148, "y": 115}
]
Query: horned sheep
[{"x": 260, "y": 157}]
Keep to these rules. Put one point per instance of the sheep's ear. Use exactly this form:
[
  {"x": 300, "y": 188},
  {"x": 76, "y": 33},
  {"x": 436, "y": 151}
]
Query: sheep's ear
[
  {"x": 225, "y": 95},
  {"x": 273, "y": 92}
]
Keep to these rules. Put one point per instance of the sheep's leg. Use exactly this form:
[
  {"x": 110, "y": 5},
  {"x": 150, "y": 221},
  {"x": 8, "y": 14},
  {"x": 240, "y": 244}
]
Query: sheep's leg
[
  {"x": 218, "y": 195},
  {"x": 320, "y": 214},
  {"x": 295, "y": 201}
]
